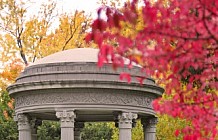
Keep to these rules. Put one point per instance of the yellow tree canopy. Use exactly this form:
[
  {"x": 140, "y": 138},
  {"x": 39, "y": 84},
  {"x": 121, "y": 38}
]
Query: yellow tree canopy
[{"x": 32, "y": 37}]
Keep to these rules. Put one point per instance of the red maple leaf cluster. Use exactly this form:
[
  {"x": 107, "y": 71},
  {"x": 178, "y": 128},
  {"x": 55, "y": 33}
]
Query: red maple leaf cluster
[{"x": 184, "y": 54}]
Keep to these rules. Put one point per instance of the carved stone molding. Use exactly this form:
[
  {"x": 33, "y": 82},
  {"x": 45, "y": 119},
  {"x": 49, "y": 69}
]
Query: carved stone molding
[
  {"x": 86, "y": 97},
  {"x": 126, "y": 119},
  {"x": 23, "y": 122},
  {"x": 66, "y": 118}
]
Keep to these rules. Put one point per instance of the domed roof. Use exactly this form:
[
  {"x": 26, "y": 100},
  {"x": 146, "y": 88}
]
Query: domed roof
[{"x": 71, "y": 55}]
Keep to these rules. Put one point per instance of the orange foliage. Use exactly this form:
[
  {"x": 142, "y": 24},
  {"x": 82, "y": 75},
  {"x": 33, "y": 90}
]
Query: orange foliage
[
  {"x": 12, "y": 70},
  {"x": 10, "y": 104},
  {"x": 8, "y": 76},
  {"x": 5, "y": 113}
]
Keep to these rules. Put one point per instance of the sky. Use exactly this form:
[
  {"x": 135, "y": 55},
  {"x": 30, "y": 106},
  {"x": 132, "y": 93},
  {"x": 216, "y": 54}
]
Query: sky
[
  {"x": 89, "y": 6},
  {"x": 86, "y": 5}
]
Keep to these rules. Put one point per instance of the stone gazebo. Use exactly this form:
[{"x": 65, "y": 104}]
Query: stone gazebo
[{"x": 68, "y": 86}]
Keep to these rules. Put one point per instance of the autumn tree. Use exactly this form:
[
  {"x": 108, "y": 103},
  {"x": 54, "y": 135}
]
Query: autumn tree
[
  {"x": 69, "y": 34},
  {"x": 17, "y": 32},
  {"x": 167, "y": 125},
  {"x": 34, "y": 36},
  {"x": 7, "y": 76},
  {"x": 178, "y": 44},
  {"x": 96, "y": 131},
  {"x": 8, "y": 128}
]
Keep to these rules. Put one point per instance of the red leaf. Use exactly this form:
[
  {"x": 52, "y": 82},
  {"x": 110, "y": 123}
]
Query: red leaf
[
  {"x": 89, "y": 37},
  {"x": 140, "y": 79},
  {"x": 177, "y": 133},
  {"x": 125, "y": 76},
  {"x": 99, "y": 24},
  {"x": 101, "y": 61}
]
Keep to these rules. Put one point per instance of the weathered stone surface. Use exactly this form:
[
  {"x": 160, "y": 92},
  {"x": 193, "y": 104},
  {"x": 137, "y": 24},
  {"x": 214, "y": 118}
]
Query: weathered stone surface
[
  {"x": 125, "y": 125},
  {"x": 24, "y": 126},
  {"x": 84, "y": 97},
  {"x": 71, "y": 80},
  {"x": 67, "y": 124}
]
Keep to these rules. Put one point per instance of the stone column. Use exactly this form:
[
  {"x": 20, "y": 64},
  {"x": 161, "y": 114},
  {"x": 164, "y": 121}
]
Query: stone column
[
  {"x": 24, "y": 127},
  {"x": 67, "y": 124},
  {"x": 149, "y": 128},
  {"x": 78, "y": 127},
  {"x": 125, "y": 125}
]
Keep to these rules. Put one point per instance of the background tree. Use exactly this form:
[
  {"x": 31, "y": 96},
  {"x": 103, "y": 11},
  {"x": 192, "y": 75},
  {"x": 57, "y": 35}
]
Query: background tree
[
  {"x": 36, "y": 36},
  {"x": 8, "y": 128},
  {"x": 49, "y": 130},
  {"x": 96, "y": 131},
  {"x": 167, "y": 126},
  {"x": 179, "y": 45}
]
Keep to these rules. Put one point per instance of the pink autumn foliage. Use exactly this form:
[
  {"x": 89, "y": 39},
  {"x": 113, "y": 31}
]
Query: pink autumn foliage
[{"x": 185, "y": 56}]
